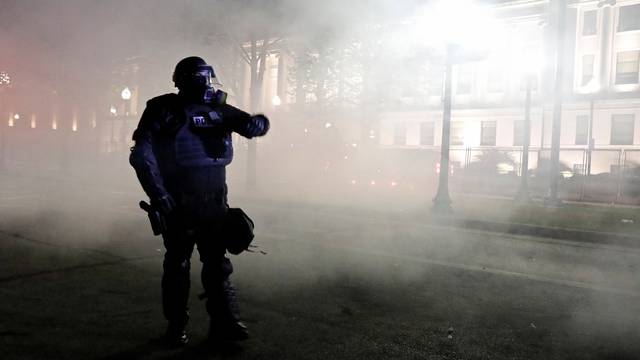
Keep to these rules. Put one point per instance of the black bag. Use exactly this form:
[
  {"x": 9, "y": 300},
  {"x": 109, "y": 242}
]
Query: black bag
[{"x": 237, "y": 231}]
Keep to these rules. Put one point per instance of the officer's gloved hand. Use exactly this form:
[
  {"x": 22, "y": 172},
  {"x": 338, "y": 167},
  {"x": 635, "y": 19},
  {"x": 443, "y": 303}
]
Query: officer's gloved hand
[
  {"x": 164, "y": 204},
  {"x": 258, "y": 126}
]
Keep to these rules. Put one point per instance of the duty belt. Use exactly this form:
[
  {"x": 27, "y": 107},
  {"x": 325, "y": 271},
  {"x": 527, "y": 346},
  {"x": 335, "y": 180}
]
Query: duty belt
[{"x": 216, "y": 197}]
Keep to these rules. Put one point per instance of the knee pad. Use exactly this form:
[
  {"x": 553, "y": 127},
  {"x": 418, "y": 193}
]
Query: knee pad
[
  {"x": 226, "y": 267},
  {"x": 176, "y": 266},
  {"x": 216, "y": 272}
]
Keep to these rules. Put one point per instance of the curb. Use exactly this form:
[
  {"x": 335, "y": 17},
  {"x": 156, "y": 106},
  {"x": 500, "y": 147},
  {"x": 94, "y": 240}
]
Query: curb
[
  {"x": 584, "y": 236},
  {"x": 591, "y": 237}
]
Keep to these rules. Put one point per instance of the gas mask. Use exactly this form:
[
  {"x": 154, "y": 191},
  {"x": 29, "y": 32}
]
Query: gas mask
[{"x": 197, "y": 86}]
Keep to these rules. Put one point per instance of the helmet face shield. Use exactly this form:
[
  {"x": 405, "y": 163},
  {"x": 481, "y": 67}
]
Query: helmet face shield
[
  {"x": 196, "y": 77},
  {"x": 200, "y": 77}
]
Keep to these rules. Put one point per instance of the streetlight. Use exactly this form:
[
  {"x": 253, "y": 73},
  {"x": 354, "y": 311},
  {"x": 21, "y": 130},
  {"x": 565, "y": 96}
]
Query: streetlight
[
  {"x": 13, "y": 119},
  {"x": 126, "y": 96},
  {"x": 457, "y": 25},
  {"x": 276, "y": 101},
  {"x": 529, "y": 69},
  {"x": 5, "y": 81},
  {"x": 442, "y": 200},
  {"x": 559, "y": 9},
  {"x": 523, "y": 193},
  {"x": 114, "y": 112}
]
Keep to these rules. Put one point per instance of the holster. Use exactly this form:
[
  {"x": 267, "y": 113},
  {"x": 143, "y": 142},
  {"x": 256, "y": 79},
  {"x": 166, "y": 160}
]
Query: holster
[{"x": 157, "y": 220}]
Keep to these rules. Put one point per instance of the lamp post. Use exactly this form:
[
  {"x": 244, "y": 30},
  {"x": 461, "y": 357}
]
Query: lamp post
[
  {"x": 528, "y": 66},
  {"x": 114, "y": 112},
  {"x": 125, "y": 94},
  {"x": 5, "y": 80},
  {"x": 559, "y": 8},
  {"x": 442, "y": 200},
  {"x": 462, "y": 35},
  {"x": 523, "y": 193}
]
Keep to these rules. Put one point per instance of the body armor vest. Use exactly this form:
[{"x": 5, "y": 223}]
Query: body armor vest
[
  {"x": 201, "y": 148},
  {"x": 201, "y": 140}
]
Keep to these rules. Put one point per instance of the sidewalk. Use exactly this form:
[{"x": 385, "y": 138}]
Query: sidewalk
[
  {"x": 593, "y": 224},
  {"x": 610, "y": 225}
]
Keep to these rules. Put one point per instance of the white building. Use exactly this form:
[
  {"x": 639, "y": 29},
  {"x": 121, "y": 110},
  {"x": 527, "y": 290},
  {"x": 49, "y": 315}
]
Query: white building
[{"x": 601, "y": 82}]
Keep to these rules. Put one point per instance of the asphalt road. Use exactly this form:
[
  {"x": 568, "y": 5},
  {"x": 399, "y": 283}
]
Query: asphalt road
[{"x": 80, "y": 274}]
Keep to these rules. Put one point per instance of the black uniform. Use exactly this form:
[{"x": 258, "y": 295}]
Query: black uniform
[{"x": 181, "y": 149}]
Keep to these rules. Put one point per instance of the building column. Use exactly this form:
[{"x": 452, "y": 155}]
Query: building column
[{"x": 606, "y": 56}]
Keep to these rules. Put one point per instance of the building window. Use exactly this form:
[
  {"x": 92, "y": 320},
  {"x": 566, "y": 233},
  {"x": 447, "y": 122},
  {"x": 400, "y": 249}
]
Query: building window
[
  {"x": 488, "y": 133},
  {"x": 426, "y": 133},
  {"x": 627, "y": 67},
  {"x": 622, "y": 127},
  {"x": 629, "y": 18},
  {"x": 589, "y": 23},
  {"x": 582, "y": 130},
  {"x": 400, "y": 134},
  {"x": 464, "y": 81},
  {"x": 518, "y": 133},
  {"x": 495, "y": 80},
  {"x": 587, "y": 69},
  {"x": 457, "y": 133}
]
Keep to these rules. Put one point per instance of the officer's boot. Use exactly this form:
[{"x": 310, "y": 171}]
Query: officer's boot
[
  {"x": 176, "y": 334},
  {"x": 225, "y": 319},
  {"x": 175, "y": 296}
]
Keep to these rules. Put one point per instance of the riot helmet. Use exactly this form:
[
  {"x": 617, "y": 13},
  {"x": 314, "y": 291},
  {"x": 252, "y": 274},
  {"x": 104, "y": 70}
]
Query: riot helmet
[{"x": 195, "y": 79}]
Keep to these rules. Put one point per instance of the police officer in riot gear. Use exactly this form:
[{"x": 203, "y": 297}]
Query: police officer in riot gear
[{"x": 182, "y": 146}]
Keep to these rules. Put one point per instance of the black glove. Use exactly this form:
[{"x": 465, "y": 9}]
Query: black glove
[
  {"x": 258, "y": 125},
  {"x": 164, "y": 204}
]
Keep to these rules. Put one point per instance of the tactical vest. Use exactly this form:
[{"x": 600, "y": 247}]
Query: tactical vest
[
  {"x": 195, "y": 150},
  {"x": 201, "y": 140}
]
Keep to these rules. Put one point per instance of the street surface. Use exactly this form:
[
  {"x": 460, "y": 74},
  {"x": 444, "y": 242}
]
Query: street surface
[{"x": 80, "y": 275}]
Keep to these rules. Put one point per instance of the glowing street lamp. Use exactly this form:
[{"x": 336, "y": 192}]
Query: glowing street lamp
[
  {"x": 5, "y": 79},
  {"x": 13, "y": 119},
  {"x": 452, "y": 26},
  {"x": 276, "y": 101},
  {"x": 126, "y": 96}
]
